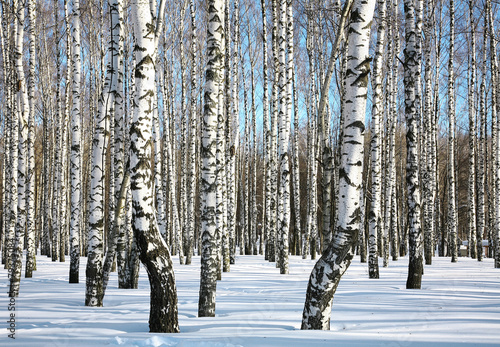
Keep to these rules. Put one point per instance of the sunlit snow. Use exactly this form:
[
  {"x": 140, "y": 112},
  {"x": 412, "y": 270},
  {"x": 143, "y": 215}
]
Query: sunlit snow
[{"x": 459, "y": 304}]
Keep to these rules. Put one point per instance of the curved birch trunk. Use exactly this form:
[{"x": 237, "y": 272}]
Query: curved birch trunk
[
  {"x": 153, "y": 250},
  {"x": 338, "y": 255}
]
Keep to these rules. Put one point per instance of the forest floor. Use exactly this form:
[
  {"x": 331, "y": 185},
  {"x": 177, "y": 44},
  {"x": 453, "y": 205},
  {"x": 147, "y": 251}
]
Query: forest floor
[{"x": 458, "y": 305}]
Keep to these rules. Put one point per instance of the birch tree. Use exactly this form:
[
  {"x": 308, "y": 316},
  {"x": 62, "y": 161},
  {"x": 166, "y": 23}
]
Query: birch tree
[
  {"x": 471, "y": 196},
  {"x": 411, "y": 69},
  {"x": 284, "y": 135},
  {"x": 338, "y": 255},
  {"x": 208, "y": 278},
  {"x": 495, "y": 148},
  {"x": 153, "y": 250},
  {"x": 375, "y": 211},
  {"x": 391, "y": 203},
  {"x": 427, "y": 139},
  {"x": 452, "y": 211},
  {"x": 481, "y": 214},
  {"x": 191, "y": 179},
  {"x": 266, "y": 132},
  {"x": 95, "y": 243},
  {"x": 22, "y": 110},
  {"x": 75, "y": 161},
  {"x": 30, "y": 188}
]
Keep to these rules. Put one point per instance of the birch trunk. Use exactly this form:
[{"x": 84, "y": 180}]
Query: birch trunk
[
  {"x": 391, "y": 203},
  {"x": 411, "y": 69},
  {"x": 495, "y": 93},
  {"x": 266, "y": 134},
  {"x": 284, "y": 135},
  {"x": 293, "y": 94},
  {"x": 471, "y": 233},
  {"x": 191, "y": 179},
  {"x": 75, "y": 161},
  {"x": 376, "y": 142},
  {"x": 208, "y": 278},
  {"x": 428, "y": 192},
  {"x": 95, "y": 242},
  {"x": 153, "y": 250},
  {"x": 452, "y": 210},
  {"x": 30, "y": 189},
  {"x": 481, "y": 214},
  {"x": 233, "y": 127},
  {"x": 338, "y": 255},
  {"x": 274, "y": 139},
  {"x": 19, "y": 189}
]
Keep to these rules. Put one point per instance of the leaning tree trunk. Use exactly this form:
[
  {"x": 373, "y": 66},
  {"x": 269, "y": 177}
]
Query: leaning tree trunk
[
  {"x": 153, "y": 250},
  {"x": 338, "y": 255},
  {"x": 208, "y": 278}
]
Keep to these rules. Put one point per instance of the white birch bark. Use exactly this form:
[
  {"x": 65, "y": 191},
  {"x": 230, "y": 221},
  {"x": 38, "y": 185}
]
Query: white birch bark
[
  {"x": 481, "y": 214},
  {"x": 57, "y": 134},
  {"x": 274, "y": 137},
  {"x": 284, "y": 138},
  {"x": 253, "y": 217},
  {"x": 21, "y": 113},
  {"x": 208, "y": 283},
  {"x": 95, "y": 238},
  {"x": 30, "y": 189},
  {"x": 292, "y": 89},
  {"x": 452, "y": 210},
  {"x": 495, "y": 94},
  {"x": 266, "y": 134},
  {"x": 471, "y": 193},
  {"x": 234, "y": 127},
  {"x": 75, "y": 161},
  {"x": 376, "y": 142},
  {"x": 338, "y": 255},
  {"x": 427, "y": 177},
  {"x": 411, "y": 69},
  {"x": 153, "y": 250},
  {"x": 191, "y": 188}
]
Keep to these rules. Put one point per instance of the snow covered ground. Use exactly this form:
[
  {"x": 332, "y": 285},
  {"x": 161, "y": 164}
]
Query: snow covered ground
[{"x": 458, "y": 305}]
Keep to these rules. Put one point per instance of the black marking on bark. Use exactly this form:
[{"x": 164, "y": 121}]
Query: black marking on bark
[{"x": 358, "y": 124}]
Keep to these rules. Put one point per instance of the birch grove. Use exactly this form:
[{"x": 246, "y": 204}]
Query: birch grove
[{"x": 154, "y": 132}]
